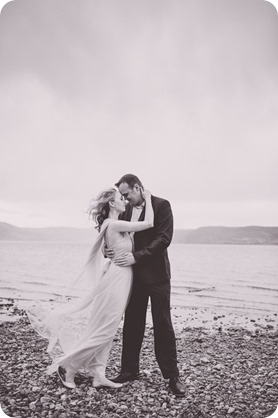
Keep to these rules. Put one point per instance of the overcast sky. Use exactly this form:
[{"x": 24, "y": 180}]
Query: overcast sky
[{"x": 184, "y": 94}]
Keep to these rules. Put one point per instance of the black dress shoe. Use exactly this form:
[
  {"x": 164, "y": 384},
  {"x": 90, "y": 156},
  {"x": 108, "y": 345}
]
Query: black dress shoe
[
  {"x": 177, "y": 387},
  {"x": 125, "y": 377}
]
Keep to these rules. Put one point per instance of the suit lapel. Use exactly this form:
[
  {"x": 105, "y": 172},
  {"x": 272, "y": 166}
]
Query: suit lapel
[{"x": 142, "y": 216}]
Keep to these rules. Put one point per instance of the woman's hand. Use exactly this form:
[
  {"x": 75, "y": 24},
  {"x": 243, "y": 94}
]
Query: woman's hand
[
  {"x": 107, "y": 252},
  {"x": 146, "y": 194}
]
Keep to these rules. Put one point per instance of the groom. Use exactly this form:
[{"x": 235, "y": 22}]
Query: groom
[{"x": 151, "y": 272}]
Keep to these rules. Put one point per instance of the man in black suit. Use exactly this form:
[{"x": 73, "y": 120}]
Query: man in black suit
[{"x": 151, "y": 270}]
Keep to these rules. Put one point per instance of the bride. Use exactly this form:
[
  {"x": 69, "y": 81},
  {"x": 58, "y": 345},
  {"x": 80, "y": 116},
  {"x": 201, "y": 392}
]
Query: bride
[{"x": 81, "y": 334}]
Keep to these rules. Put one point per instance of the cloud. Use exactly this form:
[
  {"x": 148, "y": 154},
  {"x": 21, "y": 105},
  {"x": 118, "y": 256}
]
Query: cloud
[
  {"x": 7, "y": 211},
  {"x": 194, "y": 214},
  {"x": 183, "y": 95}
]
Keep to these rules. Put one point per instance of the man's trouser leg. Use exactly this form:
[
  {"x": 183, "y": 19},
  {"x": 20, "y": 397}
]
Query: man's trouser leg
[
  {"x": 164, "y": 336},
  {"x": 134, "y": 328}
]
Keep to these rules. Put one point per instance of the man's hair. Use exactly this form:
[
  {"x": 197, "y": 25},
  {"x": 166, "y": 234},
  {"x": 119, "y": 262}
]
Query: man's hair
[{"x": 131, "y": 180}]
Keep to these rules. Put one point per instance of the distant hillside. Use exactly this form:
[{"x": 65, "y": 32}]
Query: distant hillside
[
  {"x": 228, "y": 235},
  {"x": 13, "y": 233},
  {"x": 206, "y": 235}
]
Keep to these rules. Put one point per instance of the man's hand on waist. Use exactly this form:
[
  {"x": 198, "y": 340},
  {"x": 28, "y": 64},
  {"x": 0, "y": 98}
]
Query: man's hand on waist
[{"x": 125, "y": 260}]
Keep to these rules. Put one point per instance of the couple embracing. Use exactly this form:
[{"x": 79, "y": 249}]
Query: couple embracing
[{"x": 127, "y": 265}]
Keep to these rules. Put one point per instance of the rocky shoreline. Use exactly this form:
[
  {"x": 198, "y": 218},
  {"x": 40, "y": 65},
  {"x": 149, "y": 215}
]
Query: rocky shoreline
[{"x": 228, "y": 371}]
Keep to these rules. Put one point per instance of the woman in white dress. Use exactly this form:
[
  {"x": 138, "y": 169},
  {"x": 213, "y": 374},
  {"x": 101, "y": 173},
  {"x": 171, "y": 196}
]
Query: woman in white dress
[{"x": 81, "y": 334}]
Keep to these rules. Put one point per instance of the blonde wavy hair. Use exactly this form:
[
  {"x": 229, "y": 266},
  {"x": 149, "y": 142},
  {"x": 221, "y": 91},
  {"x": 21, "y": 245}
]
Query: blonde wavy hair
[{"x": 99, "y": 207}]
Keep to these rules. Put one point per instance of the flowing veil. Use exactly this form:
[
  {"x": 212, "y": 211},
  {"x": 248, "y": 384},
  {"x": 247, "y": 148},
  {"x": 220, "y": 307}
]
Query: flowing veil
[{"x": 63, "y": 325}]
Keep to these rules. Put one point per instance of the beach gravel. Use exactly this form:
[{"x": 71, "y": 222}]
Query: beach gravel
[{"x": 227, "y": 373}]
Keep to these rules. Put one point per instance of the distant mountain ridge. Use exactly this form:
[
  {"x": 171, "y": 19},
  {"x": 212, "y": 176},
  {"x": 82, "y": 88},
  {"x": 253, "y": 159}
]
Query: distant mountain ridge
[
  {"x": 10, "y": 232},
  {"x": 251, "y": 235}
]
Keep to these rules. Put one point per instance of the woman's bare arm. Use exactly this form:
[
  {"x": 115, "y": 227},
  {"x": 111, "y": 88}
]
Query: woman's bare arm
[{"x": 126, "y": 226}]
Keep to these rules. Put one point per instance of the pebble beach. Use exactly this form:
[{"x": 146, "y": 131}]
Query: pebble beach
[{"x": 228, "y": 363}]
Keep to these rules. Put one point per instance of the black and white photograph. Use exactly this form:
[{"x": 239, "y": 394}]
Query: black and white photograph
[{"x": 139, "y": 208}]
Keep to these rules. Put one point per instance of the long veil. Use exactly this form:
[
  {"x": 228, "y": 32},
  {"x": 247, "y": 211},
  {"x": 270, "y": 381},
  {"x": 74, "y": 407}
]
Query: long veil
[{"x": 63, "y": 325}]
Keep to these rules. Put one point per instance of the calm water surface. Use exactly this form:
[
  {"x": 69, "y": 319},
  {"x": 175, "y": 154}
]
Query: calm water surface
[{"x": 237, "y": 277}]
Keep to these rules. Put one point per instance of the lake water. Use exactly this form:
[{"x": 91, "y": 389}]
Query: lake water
[
  {"x": 237, "y": 277},
  {"x": 233, "y": 277}
]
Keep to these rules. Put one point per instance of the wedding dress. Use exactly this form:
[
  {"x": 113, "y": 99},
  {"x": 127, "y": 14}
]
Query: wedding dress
[{"x": 81, "y": 333}]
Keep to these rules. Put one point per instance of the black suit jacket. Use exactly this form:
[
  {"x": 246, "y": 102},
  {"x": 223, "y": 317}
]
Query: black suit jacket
[{"x": 150, "y": 246}]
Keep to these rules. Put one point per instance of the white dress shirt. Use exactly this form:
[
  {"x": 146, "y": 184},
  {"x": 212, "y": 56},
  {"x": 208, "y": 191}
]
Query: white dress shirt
[{"x": 136, "y": 212}]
